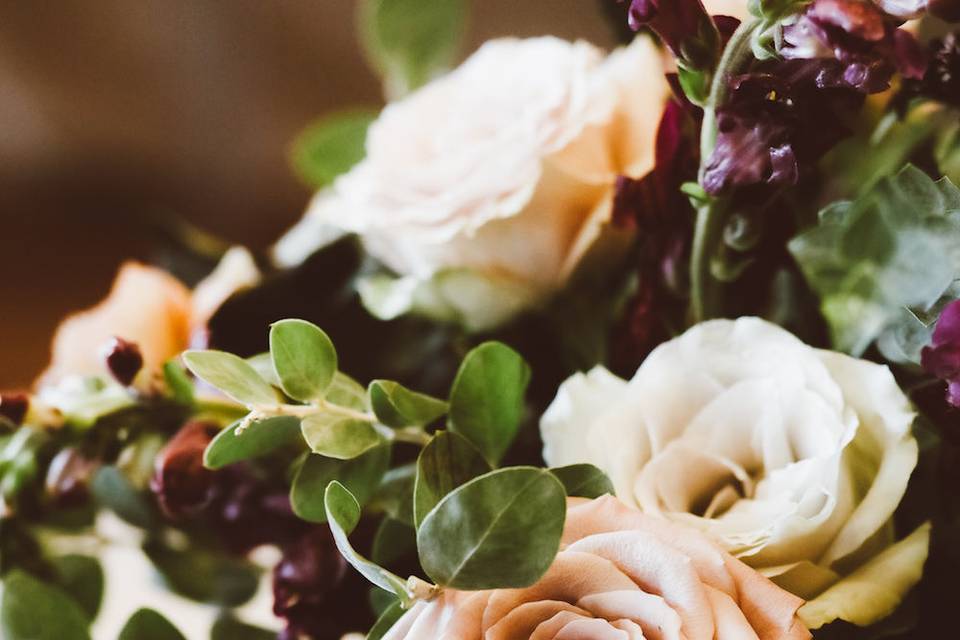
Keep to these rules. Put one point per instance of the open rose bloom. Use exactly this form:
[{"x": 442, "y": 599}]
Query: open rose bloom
[
  {"x": 791, "y": 458},
  {"x": 620, "y": 575},
  {"x": 484, "y": 191}
]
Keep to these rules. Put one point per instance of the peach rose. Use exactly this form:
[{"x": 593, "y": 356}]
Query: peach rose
[
  {"x": 149, "y": 307},
  {"x": 620, "y": 575},
  {"x": 485, "y": 190}
]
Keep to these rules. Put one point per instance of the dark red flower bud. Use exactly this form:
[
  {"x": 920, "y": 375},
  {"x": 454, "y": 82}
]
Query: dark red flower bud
[
  {"x": 948, "y": 10},
  {"x": 68, "y": 477},
  {"x": 123, "y": 359},
  {"x": 942, "y": 357},
  {"x": 182, "y": 485},
  {"x": 310, "y": 569},
  {"x": 683, "y": 25},
  {"x": 14, "y": 406}
]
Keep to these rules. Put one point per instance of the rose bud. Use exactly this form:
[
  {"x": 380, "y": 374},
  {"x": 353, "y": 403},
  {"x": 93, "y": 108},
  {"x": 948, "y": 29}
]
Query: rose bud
[
  {"x": 68, "y": 477},
  {"x": 123, "y": 359},
  {"x": 308, "y": 571},
  {"x": 14, "y": 406},
  {"x": 942, "y": 357},
  {"x": 182, "y": 485}
]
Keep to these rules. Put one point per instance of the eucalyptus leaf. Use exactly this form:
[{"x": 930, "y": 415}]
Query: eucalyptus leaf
[
  {"x": 343, "y": 514},
  {"x": 487, "y": 398},
  {"x": 204, "y": 575},
  {"x": 445, "y": 463},
  {"x": 226, "y": 627},
  {"x": 386, "y": 620},
  {"x": 360, "y": 475},
  {"x": 111, "y": 489},
  {"x": 303, "y": 357},
  {"x": 395, "y": 495},
  {"x": 337, "y": 436},
  {"x": 331, "y": 146},
  {"x": 897, "y": 246},
  {"x": 393, "y": 542},
  {"x": 33, "y": 610},
  {"x": 344, "y": 391},
  {"x": 410, "y": 41},
  {"x": 81, "y": 577},
  {"x": 396, "y": 406},
  {"x": 232, "y": 375},
  {"x": 263, "y": 364},
  {"x": 500, "y": 530},
  {"x": 178, "y": 383},
  {"x": 583, "y": 480},
  {"x": 257, "y": 439},
  {"x": 147, "y": 624}
]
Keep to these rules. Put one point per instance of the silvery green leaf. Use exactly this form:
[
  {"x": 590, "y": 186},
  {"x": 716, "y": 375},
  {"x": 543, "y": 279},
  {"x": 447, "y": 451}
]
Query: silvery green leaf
[
  {"x": 583, "y": 480},
  {"x": 445, "y": 463},
  {"x": 331, "y": 146},
  {"x": 33, "y": 610},
  {"x": 232, "y": 375},
  {"x": 256, "y": 439},
  {"x": 147, "y": 624},
  {"x": 396, "y": 406},
  {"x": 336, "y": 436},
  {"x": 360, "y": 475},
  {"x": 303, "y": 357},
  {"x": 344, "y": 391}
]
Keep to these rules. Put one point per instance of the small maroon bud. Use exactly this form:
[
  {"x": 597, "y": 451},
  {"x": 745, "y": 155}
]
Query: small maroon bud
[
  {"x": 68, "y": 477},
  {"x": 14, "y": 406},
  {"x": 124, "y": 359},
  {"x": 310, "y": 569},
  {"x": 182, "y": 485}
]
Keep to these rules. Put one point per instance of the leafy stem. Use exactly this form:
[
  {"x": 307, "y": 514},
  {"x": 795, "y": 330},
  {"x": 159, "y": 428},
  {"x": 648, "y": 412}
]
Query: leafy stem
[{"x": 711, "y": 214}]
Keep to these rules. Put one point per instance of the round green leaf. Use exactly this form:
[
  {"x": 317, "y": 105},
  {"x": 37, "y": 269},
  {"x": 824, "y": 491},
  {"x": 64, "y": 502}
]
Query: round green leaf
[
  {"x": 487, "y": 398},
  {"x": 331, "y": 146},
  {"x": 82, "y": 578},
  {"x": 33, "y": 610},
  {"x": 232, "y": 375},
  {"x": 501, "y": 530},
  {"x": 336, "y": 436},
  {"x": 344, "y": 391},
  {"x": 583, "y": 480},
  {"x": 113, "y": 490},
  {"x": 147, "y": 624},
  {"x": 204, "y": 575},
  {"x": 303, "y": 357},
  {"x": 258, "y": 439},
  {"x": 448, "y": 461},
  {"x": 227, "y": 627},
  {"x": 396, "y": 406},
  {"x": 360, "y": 475},
  {"x": 386, "y": 620}
]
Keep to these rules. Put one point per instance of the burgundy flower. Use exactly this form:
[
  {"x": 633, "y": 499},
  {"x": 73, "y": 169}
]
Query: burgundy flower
[
  {"x": 942, "y": 79},
  {"x": 123, "y": 359},
  {"x": 182, "y": 485},
  {"x": 942, "y": 357},
  {"x": 68, "y": 477},
  {"x": 14, "y": 406},
  {"x": 683, "y": 25}
]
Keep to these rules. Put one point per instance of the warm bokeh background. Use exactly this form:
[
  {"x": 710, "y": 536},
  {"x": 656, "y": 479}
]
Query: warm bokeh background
[{"x": 115, "y": 112}]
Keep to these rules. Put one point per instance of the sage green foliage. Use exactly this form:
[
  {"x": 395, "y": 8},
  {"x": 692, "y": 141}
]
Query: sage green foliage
[
  {"x": 343, "y": 514},
  {"x": 33, "y": 610},
  {"x": 583, "y": 480},
  {"x": 393, "y": 541},
  {"x": 448, "y": 461},
  {"x": 410, "y": 41},
  {"x": 386, "y": 620},
  {"x": 147, "y": 624},
  {"x": 331, "y": 146},
  {"x": 487, "y": 398},
  {"x": 204, "y": 575},
  {"x": 338, "y": 436},
  {"x": 178, "y": 384},
  {"x": 81, "y": 577},
  {"x": 395, "y": 495},
  {"x": 257, "y": 439},
  {"x": 361, "y": 476},
  {"x": 227, "y": 627},
  {"x": 895, "y": 247},
  {"x": 111, "y": 488},
  {"x": 232, "y": 375},
  {"x": 500, "y": 530},
  {"x": 303, "y": 357},
  {"x": 396, "y": 406},
  {"x": 344, "y": 391}
]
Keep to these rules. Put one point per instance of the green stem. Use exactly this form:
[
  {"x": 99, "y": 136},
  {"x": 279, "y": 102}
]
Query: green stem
[{"x": 704, "y": 294}]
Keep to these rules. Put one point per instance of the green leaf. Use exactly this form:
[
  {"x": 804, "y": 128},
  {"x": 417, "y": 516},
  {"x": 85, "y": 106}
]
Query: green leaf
[
  {"x": 446, "y": 462},
  {"x": 111, "y": 489},
  {"x": 410, "y": 41},
  {"x": 361, "y": 476},
  {"x": 393, "y": 542},
  {"x": 232, "y": 375},
  {"x": 331, "y": 146},
  {"x": 583, "y": 480},
  {"x": 396, "y": 406},
  {"x": 337, "y": 436},
  {"x": 897, "y": 246},
  {"x": 487, "y": 398},
  {"x": 147, "y": 624},
  {"x": 346, "y": 392},
  {"x": 386, "y": 620},
  {"x": 343, "y": 514},
  {"x": 204, "y": 575},
  {"x": 257, "y": 439},
  {"x": 177, "y": 381},
  {"x": 395, "y": 495},
  {"x": 226, "y": 627},
  {"x": 33, "y": 610},
  {"x": 304, "y": 358},
  {"x": 82, "y": 578},
  {"x": 263, "y": 364},
  {"x": 501, "y": 530}
]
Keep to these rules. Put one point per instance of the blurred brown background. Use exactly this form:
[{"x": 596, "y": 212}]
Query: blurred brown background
[{"x": 115, "y": 111}]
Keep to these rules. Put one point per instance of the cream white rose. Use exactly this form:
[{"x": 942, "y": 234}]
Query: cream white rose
[
  {"x": 484, "y": 190},
  {"x": 620, "y": 575},
  {"x": 793, "y": 458}
]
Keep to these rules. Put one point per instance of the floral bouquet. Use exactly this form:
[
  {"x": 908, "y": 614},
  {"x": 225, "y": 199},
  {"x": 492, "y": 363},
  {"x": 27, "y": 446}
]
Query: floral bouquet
[{"x": 662, "y": 343}]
